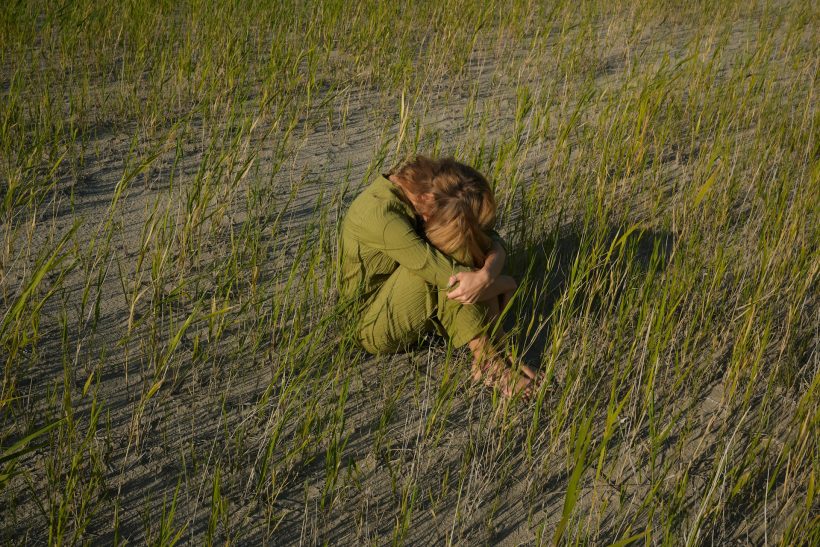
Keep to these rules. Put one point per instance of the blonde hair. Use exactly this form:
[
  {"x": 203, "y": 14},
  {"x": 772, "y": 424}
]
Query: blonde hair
[{"x": 463, "y": 207}]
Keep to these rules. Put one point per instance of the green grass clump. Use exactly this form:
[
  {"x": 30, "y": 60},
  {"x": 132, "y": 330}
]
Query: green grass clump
[{"x": 177, "y": 367}]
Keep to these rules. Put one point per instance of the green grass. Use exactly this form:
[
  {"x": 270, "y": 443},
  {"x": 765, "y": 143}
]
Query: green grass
[{"x": 176, "y": 366}]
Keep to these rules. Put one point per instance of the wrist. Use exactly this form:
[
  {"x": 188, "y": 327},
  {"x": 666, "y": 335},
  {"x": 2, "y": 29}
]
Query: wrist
[
  {"x": 494, "y": 262},
  {"x": 486, "y": 276}
]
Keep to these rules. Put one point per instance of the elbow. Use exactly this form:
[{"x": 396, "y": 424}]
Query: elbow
[{"x": 510, "y": 282}]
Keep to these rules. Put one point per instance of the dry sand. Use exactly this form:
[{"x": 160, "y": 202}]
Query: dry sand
[{"x": 187, "y": 427}]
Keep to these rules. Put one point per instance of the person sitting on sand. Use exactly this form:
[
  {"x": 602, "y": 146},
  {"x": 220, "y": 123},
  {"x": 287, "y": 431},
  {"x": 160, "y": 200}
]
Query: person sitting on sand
[{"x": 404, "y": 281}]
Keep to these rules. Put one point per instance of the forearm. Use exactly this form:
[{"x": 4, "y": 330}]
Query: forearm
[
  {"x": 494, "y": 262},
  {"x": 483, "y": 283},
  {"x": 501, "y": 285}
]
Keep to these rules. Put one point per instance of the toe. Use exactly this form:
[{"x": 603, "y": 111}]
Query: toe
[{"x": 529, "y": 372}]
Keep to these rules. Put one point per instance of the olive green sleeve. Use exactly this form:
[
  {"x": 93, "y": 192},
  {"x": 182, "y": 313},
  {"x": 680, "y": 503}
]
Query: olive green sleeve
[{"x": 397, "y": 238}]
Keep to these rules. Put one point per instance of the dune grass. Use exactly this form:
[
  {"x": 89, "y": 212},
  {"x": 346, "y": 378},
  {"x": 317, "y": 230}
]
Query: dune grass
[{"x": 176, "y": 365}]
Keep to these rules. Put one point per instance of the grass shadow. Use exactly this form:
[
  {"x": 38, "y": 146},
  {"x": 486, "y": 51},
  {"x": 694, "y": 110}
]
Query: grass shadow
[{"x": 544, "y": 269}]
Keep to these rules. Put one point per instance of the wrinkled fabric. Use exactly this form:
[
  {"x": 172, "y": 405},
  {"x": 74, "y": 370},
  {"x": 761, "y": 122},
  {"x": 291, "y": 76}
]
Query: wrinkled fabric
[{"x": 398, "y": 279}]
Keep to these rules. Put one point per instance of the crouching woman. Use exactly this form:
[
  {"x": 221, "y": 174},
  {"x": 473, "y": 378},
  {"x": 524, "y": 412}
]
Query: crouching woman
[{"x": 418, "y": 254}]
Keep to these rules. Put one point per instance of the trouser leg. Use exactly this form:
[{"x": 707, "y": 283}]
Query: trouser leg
[
  {"x": 462, "y": 322},
  {"x": 406, "y": 307},
  {"x": 399, "y": 314}
]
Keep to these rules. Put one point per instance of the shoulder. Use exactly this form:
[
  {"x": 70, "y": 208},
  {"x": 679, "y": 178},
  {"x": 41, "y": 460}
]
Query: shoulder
[{"x": 379, "y": 200}]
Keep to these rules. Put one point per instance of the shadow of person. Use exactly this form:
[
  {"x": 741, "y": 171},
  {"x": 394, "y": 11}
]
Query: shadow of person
[{"x": 550, "y": 270}]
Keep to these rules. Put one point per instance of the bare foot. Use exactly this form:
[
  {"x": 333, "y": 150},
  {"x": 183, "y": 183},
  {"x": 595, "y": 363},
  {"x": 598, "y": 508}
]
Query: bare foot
[{"x": 497, "y": 373}]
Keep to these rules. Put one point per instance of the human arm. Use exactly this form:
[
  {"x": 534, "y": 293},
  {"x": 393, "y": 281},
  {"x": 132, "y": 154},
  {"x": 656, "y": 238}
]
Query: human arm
[
  {"x": 392, "y": 234},
  {"x": 480, "y": 284},
  {"x": 503, "y": 285},
  {"x": 496, "y": 258}
]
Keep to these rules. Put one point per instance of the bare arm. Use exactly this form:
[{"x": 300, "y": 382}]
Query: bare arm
[
  {"x": 494, "y": 262},
  {"x": 480, "y": 285},
  {"x": 502, "y": 284}
]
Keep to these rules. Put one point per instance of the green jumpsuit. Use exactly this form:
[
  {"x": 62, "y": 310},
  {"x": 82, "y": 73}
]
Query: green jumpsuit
[{"x": 397, "y": 279}]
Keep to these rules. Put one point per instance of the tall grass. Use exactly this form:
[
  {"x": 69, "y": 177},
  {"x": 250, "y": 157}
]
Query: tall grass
[{"x": 176, "y": 364}]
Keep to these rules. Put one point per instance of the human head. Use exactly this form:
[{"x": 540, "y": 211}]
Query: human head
[{"x": 461, "y": 205}]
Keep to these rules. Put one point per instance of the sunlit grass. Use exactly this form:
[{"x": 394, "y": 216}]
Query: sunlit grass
[{"x": 176, "y": 365}]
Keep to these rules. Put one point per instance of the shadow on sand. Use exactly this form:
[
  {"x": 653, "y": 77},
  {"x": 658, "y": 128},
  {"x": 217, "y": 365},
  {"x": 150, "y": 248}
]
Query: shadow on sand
[{"x": 546, "y": 267}]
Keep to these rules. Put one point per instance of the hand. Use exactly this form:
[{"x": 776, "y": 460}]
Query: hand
[{"x": 471, "y": 286}]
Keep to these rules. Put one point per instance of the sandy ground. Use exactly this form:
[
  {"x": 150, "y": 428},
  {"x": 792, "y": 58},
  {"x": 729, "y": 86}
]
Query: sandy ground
[{"x": 184, "y": 429}]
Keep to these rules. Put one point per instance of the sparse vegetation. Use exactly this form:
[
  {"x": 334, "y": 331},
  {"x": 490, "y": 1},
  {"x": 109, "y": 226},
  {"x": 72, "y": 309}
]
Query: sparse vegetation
[{"x": 176, "y": 367}]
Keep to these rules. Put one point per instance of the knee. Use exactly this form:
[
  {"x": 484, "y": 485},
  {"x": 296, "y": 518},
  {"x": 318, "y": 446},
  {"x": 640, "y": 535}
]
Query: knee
[
  {"x": 463, "y": 322},
  {"x": 399, "y": 317},
  {"x": 416, "y": 292}
]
